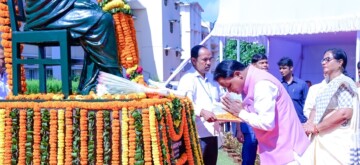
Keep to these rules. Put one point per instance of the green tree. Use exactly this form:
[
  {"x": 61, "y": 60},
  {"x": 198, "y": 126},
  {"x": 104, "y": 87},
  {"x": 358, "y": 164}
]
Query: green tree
[
  {"x": 247, "y": 50},
  {"x": 230, "y": 50}
]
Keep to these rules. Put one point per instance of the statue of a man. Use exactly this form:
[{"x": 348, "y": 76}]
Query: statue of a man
[{"x": 87, "y": 22}]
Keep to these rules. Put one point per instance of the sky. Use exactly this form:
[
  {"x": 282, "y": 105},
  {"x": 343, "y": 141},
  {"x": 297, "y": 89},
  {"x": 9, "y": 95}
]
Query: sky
[{"x": 211, "y": 9}]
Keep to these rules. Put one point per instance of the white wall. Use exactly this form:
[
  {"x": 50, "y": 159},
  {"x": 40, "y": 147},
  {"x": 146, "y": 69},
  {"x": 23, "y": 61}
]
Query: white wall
[
  {"x": 312, "y": 69},
  {"x": 153, "y": 35},
  {"x": 280, "y": 48}
]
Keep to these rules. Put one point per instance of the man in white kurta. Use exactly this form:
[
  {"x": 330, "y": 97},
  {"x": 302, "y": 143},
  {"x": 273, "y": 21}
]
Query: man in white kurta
[
  {"x": 311, "y": 97},
  {"x": 204, "y": 92}
]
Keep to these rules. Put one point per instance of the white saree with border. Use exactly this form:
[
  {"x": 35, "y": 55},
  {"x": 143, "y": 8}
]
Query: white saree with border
[{"x": 340, "y": 145}]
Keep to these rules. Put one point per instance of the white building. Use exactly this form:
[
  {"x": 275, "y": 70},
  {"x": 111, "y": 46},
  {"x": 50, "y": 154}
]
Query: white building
[
  {"x": 157, "y": 24},
  {"x": 32, "y": 71},
  {"x": 190, "y": 26}
]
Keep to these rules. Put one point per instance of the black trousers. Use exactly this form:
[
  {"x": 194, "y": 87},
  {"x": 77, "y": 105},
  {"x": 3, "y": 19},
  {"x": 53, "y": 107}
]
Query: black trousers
[{"x": 209, "y": 148}]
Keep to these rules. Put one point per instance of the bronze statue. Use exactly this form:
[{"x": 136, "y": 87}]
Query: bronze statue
[{"x": 87, "y": 22}]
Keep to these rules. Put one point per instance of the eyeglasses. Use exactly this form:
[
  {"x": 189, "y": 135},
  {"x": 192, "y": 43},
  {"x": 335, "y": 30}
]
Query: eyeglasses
[{"x": 326, "y": 59}]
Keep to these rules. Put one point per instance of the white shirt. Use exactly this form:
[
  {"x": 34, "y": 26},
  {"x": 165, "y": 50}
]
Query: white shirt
[
  {"x": 311, "y": 97},
  {"x": 203, "y": 92},
  {"x": 265, "y": 94}
]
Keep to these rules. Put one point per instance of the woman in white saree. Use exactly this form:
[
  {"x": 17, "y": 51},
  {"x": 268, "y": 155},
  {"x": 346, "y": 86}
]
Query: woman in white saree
[{"x": 334, "y": 123}]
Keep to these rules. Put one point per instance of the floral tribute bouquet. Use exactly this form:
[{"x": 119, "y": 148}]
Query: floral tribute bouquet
[{"x": 135, "y": 74}]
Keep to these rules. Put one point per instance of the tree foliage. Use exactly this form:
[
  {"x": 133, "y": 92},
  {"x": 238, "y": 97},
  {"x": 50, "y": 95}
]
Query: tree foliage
[{"x": 247, "y": 50}]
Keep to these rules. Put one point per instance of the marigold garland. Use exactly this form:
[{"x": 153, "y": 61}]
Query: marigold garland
[
  {"x": 150, "y": 119},
  {"x": 182, "y": 160},
  {"x": 61, "y": 137},
  {"x": 187, "y": 141},
  {"x": 8, "y": 133},
  {"x": 129, "y": 54},
  {"x": 173, "y": 135},
  {"x": 146, "y": 136},
  {"x": 37, "y": 136},
  {"x": 193, "y": 132},
  {"x": 192, "y": 138},
  {"x": 53, "y": 138},
  {"x": 132, "y": 137},
  {"x": 115, "y": 138},
  {"x": 22, "y": 136},
  {"x": 83, "y": 136},
  {"x": 124, "y": 136}
]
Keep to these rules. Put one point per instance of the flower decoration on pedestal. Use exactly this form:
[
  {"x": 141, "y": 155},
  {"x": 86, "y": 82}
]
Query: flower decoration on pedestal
[
  {"x": 128, "y": 52},
  {"x": 135, "y": 74}
]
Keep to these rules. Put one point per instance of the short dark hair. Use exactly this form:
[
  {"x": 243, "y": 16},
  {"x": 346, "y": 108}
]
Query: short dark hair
[
  {"x": 358, "y": 65},
  {"x": 227, "y": 68},
  {"x": 286, "y": 61},
  {"x": 195, "y": 51},
  {"x": 257, "y": 57},
  {"x": 339, "y": 54}
]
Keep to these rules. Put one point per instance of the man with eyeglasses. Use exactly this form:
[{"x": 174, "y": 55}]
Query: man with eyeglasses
[
  {"x": 296, "y": 88},
  {"x": 204, "y": 91}
]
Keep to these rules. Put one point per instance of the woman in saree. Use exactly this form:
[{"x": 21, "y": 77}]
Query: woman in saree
[{"x": 334, "y": 123}]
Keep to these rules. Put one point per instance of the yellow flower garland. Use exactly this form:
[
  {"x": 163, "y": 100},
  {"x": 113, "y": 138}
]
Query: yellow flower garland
[
  {"x": 154, "y": 144},
  {"x": 61, "y": 137},
  {"x": 124, "y": 136}
]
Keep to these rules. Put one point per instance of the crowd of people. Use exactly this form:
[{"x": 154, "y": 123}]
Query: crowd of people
[{"x": 283, "y": 120}]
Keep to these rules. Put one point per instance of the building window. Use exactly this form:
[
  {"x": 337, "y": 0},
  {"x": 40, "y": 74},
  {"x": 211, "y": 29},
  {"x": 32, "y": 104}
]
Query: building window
[
  {"x": 171, "y": 27},
  {"x": 177, "y": 4},
  {"x": 32, "y": 74},
  {"x": 49, "y": 73}
]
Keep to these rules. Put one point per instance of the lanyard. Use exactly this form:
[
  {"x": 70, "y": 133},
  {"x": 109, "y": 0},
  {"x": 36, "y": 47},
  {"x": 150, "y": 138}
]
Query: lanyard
[{"x": 208, "y": 92}]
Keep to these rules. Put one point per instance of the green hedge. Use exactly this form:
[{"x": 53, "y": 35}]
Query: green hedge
[{"x": 52, "y": 85}]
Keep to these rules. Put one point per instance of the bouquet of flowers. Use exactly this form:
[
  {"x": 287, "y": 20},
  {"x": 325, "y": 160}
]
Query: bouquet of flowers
[{"x": 135, "y": 74}]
